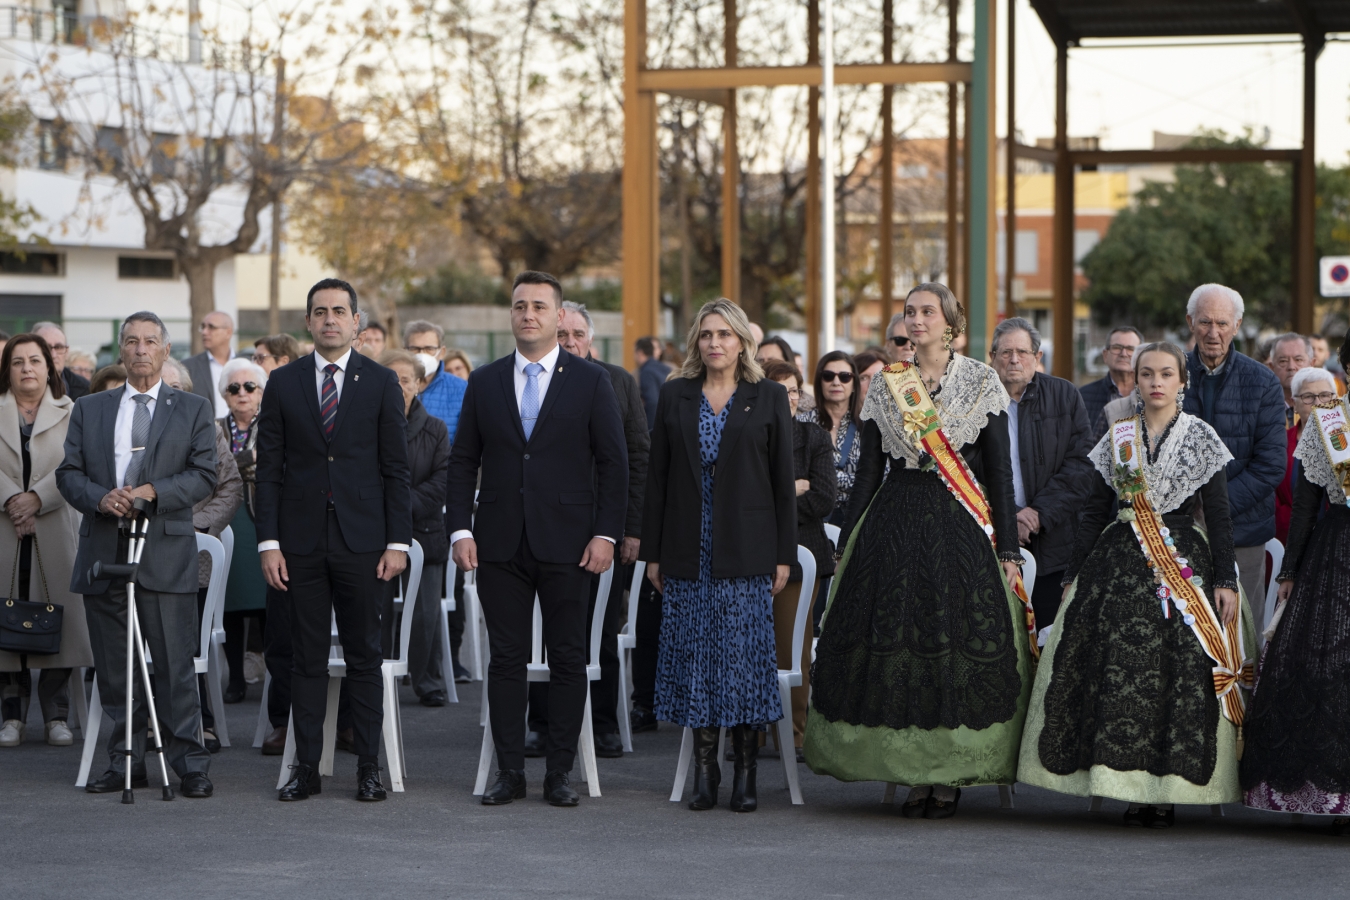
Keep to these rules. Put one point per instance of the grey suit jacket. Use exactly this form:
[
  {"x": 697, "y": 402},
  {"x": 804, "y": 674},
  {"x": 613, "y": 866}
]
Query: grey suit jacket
[
  {"x": 199, "y": 368},
  {"x": 181, "y": 466}
]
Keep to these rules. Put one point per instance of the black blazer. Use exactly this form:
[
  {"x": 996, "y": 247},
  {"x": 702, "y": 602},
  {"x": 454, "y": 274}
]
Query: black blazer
[
  {"x": 637, "y": 437},
  {"x": 754, "y": 497},
  {"x": 429, "y": 461},
  {"x": 566, "y": 485},
  {"x": 813, "y": 460},
  {"x": 365, "y": 466},
  {"x": 180, "y": 465}
]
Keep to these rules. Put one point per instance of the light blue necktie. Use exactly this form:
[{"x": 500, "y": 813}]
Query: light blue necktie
[{"x": 529, "y": 400}]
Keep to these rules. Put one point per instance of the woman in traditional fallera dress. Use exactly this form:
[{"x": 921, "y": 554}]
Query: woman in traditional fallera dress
[
  {"x": 922, "y": 670},
  {"x": 1139, "y": 694},
  {"x": 1297, "y": 755}
]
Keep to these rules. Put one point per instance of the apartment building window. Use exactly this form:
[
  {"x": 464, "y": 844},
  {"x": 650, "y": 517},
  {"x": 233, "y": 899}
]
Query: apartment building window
[
  {"x": 1028, "y": 253},
  {"x": 52, "y": 145},
  {"x": 153, "y": 267},
  {"x": 110, "y": 144},
  {"x": 164, "y": 155},
  {"x": 30, "y": 263},
  {"x": 1084, "y": 239}
]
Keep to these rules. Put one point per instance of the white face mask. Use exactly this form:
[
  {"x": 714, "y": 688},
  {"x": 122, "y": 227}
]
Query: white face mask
[{"x": 430, "y": 364}]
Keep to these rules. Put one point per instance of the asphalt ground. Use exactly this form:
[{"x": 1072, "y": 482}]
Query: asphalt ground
[{"x": 436, "y": 840}]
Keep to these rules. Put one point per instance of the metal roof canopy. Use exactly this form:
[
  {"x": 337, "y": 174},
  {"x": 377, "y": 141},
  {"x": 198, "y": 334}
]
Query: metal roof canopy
[{"x": 1069, "y": 22}]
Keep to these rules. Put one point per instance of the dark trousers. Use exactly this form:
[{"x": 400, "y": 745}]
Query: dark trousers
[
  {"x": 333, "y": 582},
  {"x": 169, "y": 626},
  {"x": 508, "y": 590},
  {"x": 456, "y": 620},
  {"x": 277, "y": 656},
  {"x": 234, "y": 641},
  {"x": 648, "y": 634},
  {"x": 605, "y": 692},
  {"x": 1045, "y": 597}
]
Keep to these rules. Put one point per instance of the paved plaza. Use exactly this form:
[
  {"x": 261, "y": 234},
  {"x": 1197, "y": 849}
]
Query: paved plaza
[{"x": 435, "y": 840}]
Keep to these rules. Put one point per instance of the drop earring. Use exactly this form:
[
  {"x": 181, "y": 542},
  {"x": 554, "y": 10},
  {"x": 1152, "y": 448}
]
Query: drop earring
[
  {"x": 1181, "y": 399},
  {"x": 947, "y": 337}
]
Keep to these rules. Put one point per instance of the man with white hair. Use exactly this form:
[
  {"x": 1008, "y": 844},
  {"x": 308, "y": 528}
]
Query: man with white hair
[{"x": 1241, "y": 400}]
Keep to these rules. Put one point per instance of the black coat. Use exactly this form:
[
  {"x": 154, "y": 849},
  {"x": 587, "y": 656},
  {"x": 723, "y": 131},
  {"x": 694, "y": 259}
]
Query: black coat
[
  {"x": 428, "y": 463},
  {"x": 754, "y": 498},
  {"x": 364, "y": 467},
  {"x": 637, "y": 436},
  {"x": 565, "y": 486},
  {"x": 76, "y": 385},
  {"x": 1054, "y": 439},
  {"x": 813, "y": 459},
  {"x": 651, "y": 376}
]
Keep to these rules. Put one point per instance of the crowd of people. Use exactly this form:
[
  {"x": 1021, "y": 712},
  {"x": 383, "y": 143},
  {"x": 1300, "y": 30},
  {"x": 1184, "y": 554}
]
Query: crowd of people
[{"x": 1139, "y": 664}]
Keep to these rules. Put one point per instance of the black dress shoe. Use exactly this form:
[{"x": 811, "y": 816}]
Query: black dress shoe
[
  {"x": 941, "y": 809},
  {"x": 534, "y": 745},
  {"x": 1161, "y": 818},
  {"x": 1138, "y": 818},
  {"x": 435, "y": 698},
  {"x": 110, "y": 782},
  {"x": 510, "y": 785},
  {"x": 235, "y": 694},
  {"x": 462, "y": 675},
  {"x": 642, "y": 719},
  {"x": 210, "y": 741},
  {"x": 558, "y": 790},
  {"x": 608, "y": 746},
  {"x": 304, "y": 783},
  {"x": 196, "y": 784},
  {"x": 368, "y": 786}
]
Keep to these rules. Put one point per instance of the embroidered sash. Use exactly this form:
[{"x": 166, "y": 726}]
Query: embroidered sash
[
  {"x": 1222, "y": 644},
  {"x": 923, "y": 425},
  {"x": 1335, "y": 431}
]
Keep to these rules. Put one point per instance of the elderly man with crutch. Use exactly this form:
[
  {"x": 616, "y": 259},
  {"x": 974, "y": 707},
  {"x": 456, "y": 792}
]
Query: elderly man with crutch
[{"x": 163, "y": 453}]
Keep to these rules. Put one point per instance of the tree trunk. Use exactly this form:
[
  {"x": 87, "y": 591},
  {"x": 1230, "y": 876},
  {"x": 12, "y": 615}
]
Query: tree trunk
[{"x": 201, "y": 279}]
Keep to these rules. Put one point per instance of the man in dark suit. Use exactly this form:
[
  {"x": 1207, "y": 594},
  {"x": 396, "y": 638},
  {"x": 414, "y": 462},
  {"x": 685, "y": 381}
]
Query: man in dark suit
[
  {"x": 76, "y": 385},
  {"x": 545, "y": 428},
  {"x": 334, "y": 516},
  {"x": 576, "y": 332},
  {"x": 144, "y": 441},
  {"x": 217, "y": 331},
  {"x": 652, "y": 373}
]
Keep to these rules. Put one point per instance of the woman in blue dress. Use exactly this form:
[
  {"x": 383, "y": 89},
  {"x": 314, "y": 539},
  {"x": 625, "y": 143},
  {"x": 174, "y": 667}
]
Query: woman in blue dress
[{"x": 719, "y": 533}]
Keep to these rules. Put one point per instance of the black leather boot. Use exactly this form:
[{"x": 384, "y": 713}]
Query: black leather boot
[
  {"x": 745, "y": 744},
  {"x": 707, "y": 770}
]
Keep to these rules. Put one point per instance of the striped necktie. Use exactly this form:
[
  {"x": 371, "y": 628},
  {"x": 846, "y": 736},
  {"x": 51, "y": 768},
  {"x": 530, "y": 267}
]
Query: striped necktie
[
  {"x": 140, "y": 436},
  {"x": 328, "y": 400}
]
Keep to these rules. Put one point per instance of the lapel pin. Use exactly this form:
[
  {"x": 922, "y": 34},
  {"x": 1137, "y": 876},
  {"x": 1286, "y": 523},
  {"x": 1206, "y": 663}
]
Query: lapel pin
[
  {"x": 747, "y": 409},
  {"x": 356, "y": 378},
  {"x": 559, "y": 368}
]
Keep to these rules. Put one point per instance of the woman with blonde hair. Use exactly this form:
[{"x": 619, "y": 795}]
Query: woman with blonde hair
[{"x": 719, "y": 533}]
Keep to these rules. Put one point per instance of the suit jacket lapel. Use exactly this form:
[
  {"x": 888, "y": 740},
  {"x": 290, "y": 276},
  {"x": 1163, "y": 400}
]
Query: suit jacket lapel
[
  {"x": 51, "y": 413},
  {"x": 108, "y": 429},
  {"x": 507, "y": 379},
  {"x": 351, "y": 382},
  {"x": 690, "y": 399},
  {"x": 561, "y": 371},
  {"x": 9, "y": 423},
  {"x": 742, "y": 403},
  {"x": 165, "y": 406}
]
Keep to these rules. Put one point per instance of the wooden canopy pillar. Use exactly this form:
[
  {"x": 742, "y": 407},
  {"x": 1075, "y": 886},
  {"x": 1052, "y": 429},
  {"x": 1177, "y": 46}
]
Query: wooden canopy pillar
[
  {"x": 1303, "y": 284},
  {"x": 1010, "y": 170},
  {"x": 1062, "y": 284},
  {"x": 886, "y": 235},
  {"x": 641, "y": 201},
  {"x": 731, "y": 171}
]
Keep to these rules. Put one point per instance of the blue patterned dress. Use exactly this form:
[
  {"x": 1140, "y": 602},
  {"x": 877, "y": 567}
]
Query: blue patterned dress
[{"x": 717, "y": 665}]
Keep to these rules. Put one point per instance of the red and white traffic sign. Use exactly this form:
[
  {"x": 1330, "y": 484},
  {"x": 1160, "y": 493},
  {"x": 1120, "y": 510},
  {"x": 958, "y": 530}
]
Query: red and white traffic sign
[{"x": 1335, "y": 276}]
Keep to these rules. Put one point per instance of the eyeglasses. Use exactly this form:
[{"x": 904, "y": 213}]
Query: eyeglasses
[
  {"x": 58, "y": 348},
  {"x": 1323, "y": 397},
  {"x": 236, "y": 387},
  {"x": 1127, "y": 349},
  {"x": 429, "y": 351},
  {"x": 210, "y": 326},
  {"x": 1010, "y": 353},
  {"x": 900, "y": 340},
  {"x": 793, "y": 392},
  {"x": 829, "y": 375}
]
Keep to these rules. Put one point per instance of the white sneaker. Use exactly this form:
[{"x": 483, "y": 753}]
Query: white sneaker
[
  {"x": 58, "y": 733},
  {"x": 11, "y": 733},
  {"x": 254, "y": 667}
]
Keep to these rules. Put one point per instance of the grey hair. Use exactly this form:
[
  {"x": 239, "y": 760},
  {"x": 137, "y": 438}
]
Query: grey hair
[
  {"x": 143, "y": 316},
  {"x": 417, "y": 326},
  {"x": 38, "y": 326},
  {"x": 1291, "y": 336},
  {"x": 240, "y": 364},
  {"x": 580, "y": 309},
  {"x": 183, "y": 375},
  {"x": 1234, "y": 297},
  {"x": 1311, "y": 373},
  {"x": 895, "y": 319},
  {"x": 1014, "y": 324}
]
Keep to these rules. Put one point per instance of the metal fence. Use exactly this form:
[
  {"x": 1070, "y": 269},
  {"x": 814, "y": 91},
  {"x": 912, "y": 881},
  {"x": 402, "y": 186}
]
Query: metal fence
[{"x": 99, "y": 336}]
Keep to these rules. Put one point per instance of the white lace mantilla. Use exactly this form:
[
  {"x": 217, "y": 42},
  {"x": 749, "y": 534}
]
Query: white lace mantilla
[
  {"x": 1312, "y": 452},
  {"x": 1191, "y": 455},
  {"x": 970, "y": 393}
]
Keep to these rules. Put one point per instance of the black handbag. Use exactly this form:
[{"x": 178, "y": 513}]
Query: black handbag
[{"x": 26, "y": 627}]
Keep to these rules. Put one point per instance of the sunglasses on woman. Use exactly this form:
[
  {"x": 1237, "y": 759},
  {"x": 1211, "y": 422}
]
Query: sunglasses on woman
[
  {"x": 900, "y": 340},
  {"x": 237, "y": 387},
  {"x": 844, "y": 377}
]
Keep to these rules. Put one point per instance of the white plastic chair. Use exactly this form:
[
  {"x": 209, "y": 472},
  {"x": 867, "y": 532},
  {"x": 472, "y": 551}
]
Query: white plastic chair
[
  {"x": 392, "y": 671},
  {"x": 447, "y": 607},
  {"x": 207, "y": 661},
  {"x": 1276, "y": 551},
  {"x": 627, "y": 644},
  {"x": 537, "y": 671},
  {"x": 787, "y": 680}
]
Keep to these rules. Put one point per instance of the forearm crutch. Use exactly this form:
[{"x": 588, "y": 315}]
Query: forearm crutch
[{"x": 140, "y": 527}]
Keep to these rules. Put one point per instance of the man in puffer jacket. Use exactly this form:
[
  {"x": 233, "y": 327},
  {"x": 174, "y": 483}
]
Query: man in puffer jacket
[{"x": 1241, "y": 400}]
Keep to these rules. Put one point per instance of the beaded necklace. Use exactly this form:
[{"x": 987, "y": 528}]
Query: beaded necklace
[{"x": 1151, "y": 450}]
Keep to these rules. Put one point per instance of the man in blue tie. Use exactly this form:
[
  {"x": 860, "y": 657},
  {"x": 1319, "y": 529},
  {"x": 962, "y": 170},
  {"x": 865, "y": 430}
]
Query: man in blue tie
[{"x": 545, "y": 429}]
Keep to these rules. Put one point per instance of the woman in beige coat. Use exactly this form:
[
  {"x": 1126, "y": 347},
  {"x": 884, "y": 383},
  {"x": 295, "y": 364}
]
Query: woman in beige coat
[{"x": 34, "y": 414}]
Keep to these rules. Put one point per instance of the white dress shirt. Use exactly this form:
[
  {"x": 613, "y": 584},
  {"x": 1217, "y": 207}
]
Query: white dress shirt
[
  {"x": 550, "y": 362},
  {"x": 338, "y": 377},
  {"x": 126, "y": 412},
  {"x": 222, "y": 408}
]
